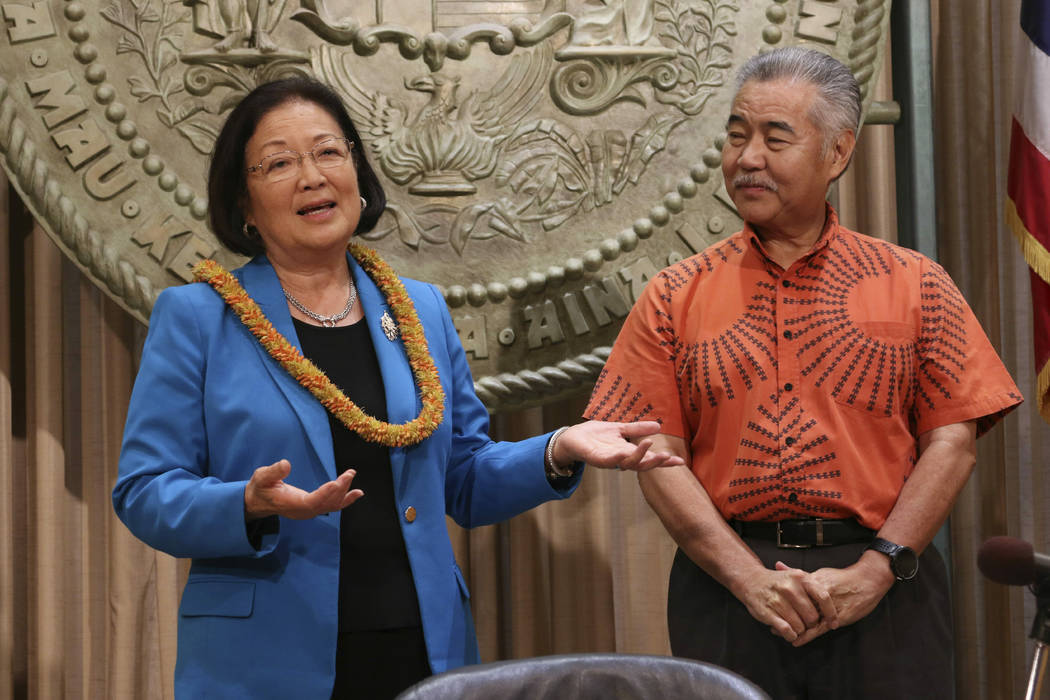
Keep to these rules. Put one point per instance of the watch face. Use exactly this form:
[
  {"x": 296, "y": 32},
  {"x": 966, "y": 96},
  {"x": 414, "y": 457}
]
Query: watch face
[{"x": 905, "y": 564}]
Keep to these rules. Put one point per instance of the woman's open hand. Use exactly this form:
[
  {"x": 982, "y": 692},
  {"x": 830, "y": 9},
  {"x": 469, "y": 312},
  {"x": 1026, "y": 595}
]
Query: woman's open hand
[
  {"x": 612, "y": 445},
  {"x": 267, "y": 494}
]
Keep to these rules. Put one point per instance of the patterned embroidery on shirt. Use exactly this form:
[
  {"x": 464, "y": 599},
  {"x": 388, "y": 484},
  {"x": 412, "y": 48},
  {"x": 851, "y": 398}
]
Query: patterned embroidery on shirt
[
  {"x": 668, "y": 338},
  {"x": 617, "y": 399},
  {"x": 731, "y": 362},
  {"x": 857, "y": 368},
  {"x": 678, "y": 276},
  {"x": 720, "y": 251},
  {"x": 783, "y": 471},
  {"x": 620, "y": 401},
  {"x": 942, "y": 339}
]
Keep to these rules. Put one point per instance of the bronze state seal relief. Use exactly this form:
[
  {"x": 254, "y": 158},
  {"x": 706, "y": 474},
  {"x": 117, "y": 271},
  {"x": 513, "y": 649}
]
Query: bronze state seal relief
[{"x": 542, "y": 158}]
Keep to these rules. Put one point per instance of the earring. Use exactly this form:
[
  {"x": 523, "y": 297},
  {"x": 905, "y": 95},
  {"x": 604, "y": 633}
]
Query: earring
[
  {"x": 248, "y": 232},
  {"x": 364, "y": 203}
]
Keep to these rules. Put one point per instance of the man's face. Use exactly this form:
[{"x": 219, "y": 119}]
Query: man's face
[{"x": 772, "y": 162}]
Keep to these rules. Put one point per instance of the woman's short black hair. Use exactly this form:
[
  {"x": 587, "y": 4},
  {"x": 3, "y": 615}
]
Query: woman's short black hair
[{"x": 227, "y": 177}]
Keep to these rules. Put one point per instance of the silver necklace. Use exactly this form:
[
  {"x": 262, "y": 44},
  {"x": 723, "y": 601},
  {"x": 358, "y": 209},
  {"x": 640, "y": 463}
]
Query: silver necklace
[{"x": 326, "y": 321}]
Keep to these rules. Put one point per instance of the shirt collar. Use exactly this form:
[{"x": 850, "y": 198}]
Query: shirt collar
[{"x": 830, "y": 232}]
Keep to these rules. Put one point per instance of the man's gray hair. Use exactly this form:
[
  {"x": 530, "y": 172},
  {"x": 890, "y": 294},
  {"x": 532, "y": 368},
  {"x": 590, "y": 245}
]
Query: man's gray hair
[{"x": 837, "y": 107}]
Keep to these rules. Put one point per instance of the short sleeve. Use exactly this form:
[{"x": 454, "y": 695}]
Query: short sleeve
[
  {"x": 959, "y": 375},
  {"x": 638, "y": 381}
]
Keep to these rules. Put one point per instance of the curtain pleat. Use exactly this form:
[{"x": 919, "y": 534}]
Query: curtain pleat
[
  {"x": 46, "y": 498},
  {"x": 12, "y": 666}
]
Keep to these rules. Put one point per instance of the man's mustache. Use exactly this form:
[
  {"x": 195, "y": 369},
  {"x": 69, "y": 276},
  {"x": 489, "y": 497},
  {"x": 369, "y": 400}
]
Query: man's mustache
[{"x": 747, "y": 180}]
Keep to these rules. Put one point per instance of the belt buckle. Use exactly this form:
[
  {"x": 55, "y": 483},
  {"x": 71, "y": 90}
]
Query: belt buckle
[{"x": 783, "y": 545}]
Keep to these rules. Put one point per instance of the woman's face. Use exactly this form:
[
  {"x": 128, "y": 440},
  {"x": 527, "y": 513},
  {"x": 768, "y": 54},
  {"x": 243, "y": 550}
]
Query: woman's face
[{"x": 314, "y": 212}]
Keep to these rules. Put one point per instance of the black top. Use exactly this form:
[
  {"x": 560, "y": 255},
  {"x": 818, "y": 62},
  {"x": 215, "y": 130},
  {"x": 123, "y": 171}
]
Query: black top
[{"x": 376, "y": 589}]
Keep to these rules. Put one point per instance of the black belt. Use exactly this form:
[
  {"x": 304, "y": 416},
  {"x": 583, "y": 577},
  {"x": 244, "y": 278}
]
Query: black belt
[{"x": 808, "y": 532}]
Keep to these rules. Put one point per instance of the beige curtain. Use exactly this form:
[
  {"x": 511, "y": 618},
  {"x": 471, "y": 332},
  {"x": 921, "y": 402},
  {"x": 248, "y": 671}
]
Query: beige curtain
[
  {"x": 974, "y": 44},
  {"x": 87, "y": 611}
]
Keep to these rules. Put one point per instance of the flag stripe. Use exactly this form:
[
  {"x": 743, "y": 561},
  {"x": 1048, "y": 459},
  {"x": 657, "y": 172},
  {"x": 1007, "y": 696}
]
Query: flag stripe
[
  {"x": 1035, "y": 254},
  {"x": 1035, "y": 22},
  {"x": 1027, "y": 185},
  {"x": 1028, "y": 177},
  {"x": 1031, "y": 106}
]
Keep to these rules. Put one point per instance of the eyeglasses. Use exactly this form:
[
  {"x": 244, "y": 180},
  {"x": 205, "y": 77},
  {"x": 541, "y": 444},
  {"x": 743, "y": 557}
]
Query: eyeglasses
[{"x": 330, "y": 153}]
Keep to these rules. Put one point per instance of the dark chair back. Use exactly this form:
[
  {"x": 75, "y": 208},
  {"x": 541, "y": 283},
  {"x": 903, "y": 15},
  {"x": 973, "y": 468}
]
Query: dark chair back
[{"x": 587, "y": 677}]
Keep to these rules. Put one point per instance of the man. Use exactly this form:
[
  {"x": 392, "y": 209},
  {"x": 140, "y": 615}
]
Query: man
[{"x": 825, "y": 390}]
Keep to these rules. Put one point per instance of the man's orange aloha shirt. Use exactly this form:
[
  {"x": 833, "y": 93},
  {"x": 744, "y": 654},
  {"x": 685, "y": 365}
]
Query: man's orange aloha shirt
[{"x": 802, "y": 391}]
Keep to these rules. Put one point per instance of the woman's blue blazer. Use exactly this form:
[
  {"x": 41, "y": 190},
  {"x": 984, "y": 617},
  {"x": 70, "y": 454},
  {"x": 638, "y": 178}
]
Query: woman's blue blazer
[{"x": 209, "y": 406}]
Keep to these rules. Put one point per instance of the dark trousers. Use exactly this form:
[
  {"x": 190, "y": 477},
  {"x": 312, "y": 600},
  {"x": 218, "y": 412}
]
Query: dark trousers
[{"x": 902, "y": 649}]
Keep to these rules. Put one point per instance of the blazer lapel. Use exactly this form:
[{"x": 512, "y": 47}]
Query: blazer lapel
[
  {"x": 260, "y": 281},
  {"x": 399, "y": 385}
]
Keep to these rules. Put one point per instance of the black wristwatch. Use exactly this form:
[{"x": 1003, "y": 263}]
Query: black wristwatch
[{"x": 903, "y": 562}]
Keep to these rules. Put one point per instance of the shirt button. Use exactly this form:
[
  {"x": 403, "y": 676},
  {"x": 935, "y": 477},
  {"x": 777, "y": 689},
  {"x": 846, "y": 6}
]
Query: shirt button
[
  {"x": 789, "y": 441},
  {"x": 789, "y": 386},
  {"x": 787, "y": 334},
  {"x": 410, "y": 514},
  {"x": 793, "y": 497}
]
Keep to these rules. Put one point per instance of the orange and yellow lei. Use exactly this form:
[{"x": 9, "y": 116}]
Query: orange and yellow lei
[{"x": 307, "y": 374}]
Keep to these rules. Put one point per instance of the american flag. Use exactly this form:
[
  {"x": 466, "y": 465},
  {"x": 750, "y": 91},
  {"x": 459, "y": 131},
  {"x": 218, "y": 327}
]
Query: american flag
[{"x": 1028, "y": 181}]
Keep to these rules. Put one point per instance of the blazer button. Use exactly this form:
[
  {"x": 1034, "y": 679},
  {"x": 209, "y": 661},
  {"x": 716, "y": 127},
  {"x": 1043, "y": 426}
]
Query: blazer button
[{"x": 410, "y": 514}]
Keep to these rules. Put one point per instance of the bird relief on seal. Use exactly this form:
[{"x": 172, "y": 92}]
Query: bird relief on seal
[{"x": 530, "y": 130}]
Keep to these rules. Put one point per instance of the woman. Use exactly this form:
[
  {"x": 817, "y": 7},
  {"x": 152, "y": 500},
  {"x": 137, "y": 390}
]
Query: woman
[{"x": 301, "y": 586}]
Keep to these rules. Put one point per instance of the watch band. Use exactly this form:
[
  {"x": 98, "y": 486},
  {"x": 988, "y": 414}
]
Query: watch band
[
  {"x": 885, "y": 546},
  {"x": 903, "y": 562}
]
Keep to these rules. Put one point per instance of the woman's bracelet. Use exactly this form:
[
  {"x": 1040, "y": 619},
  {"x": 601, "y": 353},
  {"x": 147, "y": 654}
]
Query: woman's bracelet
[{"x": 552, "y": 469}]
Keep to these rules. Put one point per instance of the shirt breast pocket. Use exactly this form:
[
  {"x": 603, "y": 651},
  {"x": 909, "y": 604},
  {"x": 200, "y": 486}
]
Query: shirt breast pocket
[
  {"x": 889, "y": 331},
  {"x": 875, "y": 371}
]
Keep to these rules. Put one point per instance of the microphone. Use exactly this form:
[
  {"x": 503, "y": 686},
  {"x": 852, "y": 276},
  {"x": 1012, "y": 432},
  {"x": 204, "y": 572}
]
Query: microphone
[{"x": 1012, "y": 561}]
